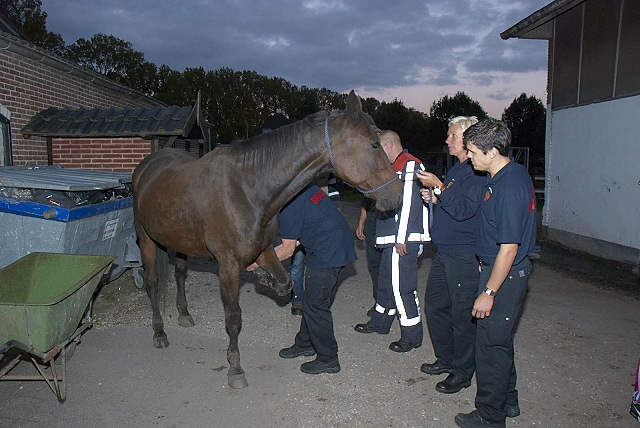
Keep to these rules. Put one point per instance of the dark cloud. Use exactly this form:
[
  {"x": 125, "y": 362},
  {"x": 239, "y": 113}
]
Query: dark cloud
[{"x": 337, "y": 44}]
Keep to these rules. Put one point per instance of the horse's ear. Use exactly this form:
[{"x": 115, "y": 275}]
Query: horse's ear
[{"x": 354, "y": 106}]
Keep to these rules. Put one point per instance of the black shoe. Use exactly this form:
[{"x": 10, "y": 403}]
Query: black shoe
[
  {"x": 317, "y": 367},
  {"x": 296, "y": 308},
  {"x": 368, "y": 328},
  {"x": 474, "y": 420},
  {"x": 297, "y": 351},
  {"x": 435, "y": 368},
  {"x": 452, "y": 384},
  {"x": 513, "y": 410},
  {"x": 635, "y": 410},
  {"x": 371, "y": 311},
  {"x": 401, "y": 346}
]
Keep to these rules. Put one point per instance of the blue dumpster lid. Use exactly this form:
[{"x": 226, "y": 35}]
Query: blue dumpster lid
[{"x": 54, "y": 177}]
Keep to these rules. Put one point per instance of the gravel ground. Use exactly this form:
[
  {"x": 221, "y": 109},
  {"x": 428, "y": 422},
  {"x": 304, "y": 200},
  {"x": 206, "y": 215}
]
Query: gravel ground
[{"x": 577, "y": 348}]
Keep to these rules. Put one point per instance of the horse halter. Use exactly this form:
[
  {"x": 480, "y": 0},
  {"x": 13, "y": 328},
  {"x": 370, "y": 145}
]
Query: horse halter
[{"x": 326, "y": 138}]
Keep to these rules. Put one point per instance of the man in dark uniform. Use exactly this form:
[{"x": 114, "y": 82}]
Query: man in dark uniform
[
  {"x": 452, "y": 285},
  {"x": 506, "y": 238},
  {"x": 328, "y": 183},
  {"x": 313, "y": 221}
]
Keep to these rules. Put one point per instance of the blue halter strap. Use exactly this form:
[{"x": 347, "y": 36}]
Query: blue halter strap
[{"x": 326, "y": 138}]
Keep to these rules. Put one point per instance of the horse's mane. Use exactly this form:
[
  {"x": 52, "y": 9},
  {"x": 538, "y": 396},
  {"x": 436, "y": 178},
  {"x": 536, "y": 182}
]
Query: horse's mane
[{"x": 268, "y": 149}]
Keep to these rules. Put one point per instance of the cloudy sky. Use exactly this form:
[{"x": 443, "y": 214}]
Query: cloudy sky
[{"x": 413, "y": 51}]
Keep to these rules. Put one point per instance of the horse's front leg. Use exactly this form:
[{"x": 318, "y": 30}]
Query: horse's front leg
[
  {"x": 229, "y": 289},
  {"x": 274, "y": 275},
  {"x": 184, "y": 318}
]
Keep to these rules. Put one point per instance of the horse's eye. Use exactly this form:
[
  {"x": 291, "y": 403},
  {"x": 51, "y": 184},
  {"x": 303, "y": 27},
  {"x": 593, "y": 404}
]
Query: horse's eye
[{"x": 375, "y": 145}]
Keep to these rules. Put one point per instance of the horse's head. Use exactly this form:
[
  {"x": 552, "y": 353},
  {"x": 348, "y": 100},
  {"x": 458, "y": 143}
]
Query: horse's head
[{"x": 358, "y": 158}]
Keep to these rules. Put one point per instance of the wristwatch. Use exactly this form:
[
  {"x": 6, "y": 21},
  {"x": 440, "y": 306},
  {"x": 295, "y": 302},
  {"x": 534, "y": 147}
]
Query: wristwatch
[
  {"x": 438, "y": 190},
  {"x": 489, "y": 291}
]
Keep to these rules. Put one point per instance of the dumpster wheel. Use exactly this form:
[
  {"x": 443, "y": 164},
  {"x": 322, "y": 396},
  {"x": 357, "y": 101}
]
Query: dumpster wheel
[{"x": 138, "y": 277}]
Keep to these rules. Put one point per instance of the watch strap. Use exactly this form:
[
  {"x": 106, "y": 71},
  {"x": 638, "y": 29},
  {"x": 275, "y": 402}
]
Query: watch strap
[{"x": 489, "y": 291}]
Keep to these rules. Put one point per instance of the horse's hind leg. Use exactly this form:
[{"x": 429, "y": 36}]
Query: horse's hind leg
[
  {"x": 184, "y": 318},
  {"x": 229, "y": 287},
  {"x": 148, "y": 250}
]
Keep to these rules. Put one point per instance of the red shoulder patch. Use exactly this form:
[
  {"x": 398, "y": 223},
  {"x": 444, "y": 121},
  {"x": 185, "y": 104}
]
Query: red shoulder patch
[
  {"x": 532, "y": 204},
  {"x": 317, "y": 197}
]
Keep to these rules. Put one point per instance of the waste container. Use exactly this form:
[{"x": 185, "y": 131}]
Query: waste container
[{"x": 54, "y": 209}]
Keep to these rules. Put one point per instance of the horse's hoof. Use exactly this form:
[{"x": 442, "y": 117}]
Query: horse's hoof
[
  {"x": 284, "y": 290},
  {"x": 237, "y": 381},
  {"x": 186, "y": 321},
  {"x": 160, "y": 341},
  {"x": 264, "y": 277}
]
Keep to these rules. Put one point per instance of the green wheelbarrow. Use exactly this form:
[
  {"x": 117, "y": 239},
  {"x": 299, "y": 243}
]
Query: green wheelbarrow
[{"x": 45, "y": 305}]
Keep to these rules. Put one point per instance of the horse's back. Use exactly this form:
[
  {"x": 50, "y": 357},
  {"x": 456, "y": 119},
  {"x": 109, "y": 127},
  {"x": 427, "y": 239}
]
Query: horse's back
[{"x": 161, "y": 161}]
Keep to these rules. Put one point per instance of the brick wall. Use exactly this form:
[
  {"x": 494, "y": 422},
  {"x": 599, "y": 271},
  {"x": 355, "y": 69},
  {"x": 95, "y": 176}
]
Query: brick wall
[
  {"x": 115, "y": 154},
  {"x": 32, "y": 80}
]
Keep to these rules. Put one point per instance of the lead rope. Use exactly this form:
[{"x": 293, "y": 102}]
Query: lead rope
[{"x": 326, "y": 138}]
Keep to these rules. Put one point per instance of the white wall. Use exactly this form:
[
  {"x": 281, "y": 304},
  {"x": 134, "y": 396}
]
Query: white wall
[{"x": 593, "y": 172}]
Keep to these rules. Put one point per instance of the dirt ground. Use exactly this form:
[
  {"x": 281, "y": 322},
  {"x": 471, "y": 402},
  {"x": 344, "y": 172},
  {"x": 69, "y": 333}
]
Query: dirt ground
[{"x": 577, "y": 348}]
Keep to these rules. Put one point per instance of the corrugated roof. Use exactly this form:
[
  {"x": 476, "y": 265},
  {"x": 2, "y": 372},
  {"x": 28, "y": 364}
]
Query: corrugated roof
[{"x": 144, "y": 122}]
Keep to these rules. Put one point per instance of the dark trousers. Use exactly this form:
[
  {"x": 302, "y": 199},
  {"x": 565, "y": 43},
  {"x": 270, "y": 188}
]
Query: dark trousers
[
  {"x": 316, "y": 326},
  {"x": 495, "y": 368},
  {"x": 452, "y": 288},
  {"x": 373, "y": 254},
  {"x": 397, "y": 293}
]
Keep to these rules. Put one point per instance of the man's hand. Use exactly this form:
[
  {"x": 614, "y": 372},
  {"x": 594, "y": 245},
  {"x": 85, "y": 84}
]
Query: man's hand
[
  {"x": 426, "y": 195},
  {"x": 401, "y": 249},
  {"x": 482, "y": 306},
  {"x": 429, "y": 180},
  {"x": 360, "y": 232}
]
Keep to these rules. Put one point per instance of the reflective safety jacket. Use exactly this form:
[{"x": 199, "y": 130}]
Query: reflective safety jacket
[{"x": 410, "y": 224}]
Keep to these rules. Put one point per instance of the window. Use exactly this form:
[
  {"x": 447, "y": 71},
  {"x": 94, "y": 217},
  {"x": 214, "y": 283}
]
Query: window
[
  {"x": 628, "y": 78},
  {"x": 595, "y": 53},
  {"x": 599, "y": 43},
  {"x": 566, "y": 58}
]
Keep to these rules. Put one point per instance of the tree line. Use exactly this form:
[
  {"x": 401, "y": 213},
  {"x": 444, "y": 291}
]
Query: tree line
[{"x": 237, "y": 103}]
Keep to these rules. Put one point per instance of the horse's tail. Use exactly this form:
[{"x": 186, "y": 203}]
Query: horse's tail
[{"x": 162, "y": 269}]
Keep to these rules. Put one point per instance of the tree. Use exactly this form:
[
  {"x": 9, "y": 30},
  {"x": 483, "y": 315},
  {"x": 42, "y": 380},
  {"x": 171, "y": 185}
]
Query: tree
[
  {"x": 526, "y": 117},
  {"x": 116, "y": 59},
  {"x": 445, "y": 109},
  {"x": 370, "y": 105},
  {"x": 28, "y": 18},
  {"x": 410, "y": 125}
]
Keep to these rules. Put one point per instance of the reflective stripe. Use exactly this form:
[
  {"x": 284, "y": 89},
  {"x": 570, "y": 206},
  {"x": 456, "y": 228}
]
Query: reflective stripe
[
  {"x": 406, "y": 202},
  {"x": 425, "y": 224},
  {"x": 418, "y": 237},
  {"x": 382, "y": 310},
  {"x": 395, "y": 284},
  {"x": 414, "y": 237}
]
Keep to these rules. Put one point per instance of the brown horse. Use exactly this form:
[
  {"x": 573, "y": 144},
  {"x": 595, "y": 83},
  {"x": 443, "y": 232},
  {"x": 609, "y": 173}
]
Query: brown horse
[{"x": 225, "y": 205}]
